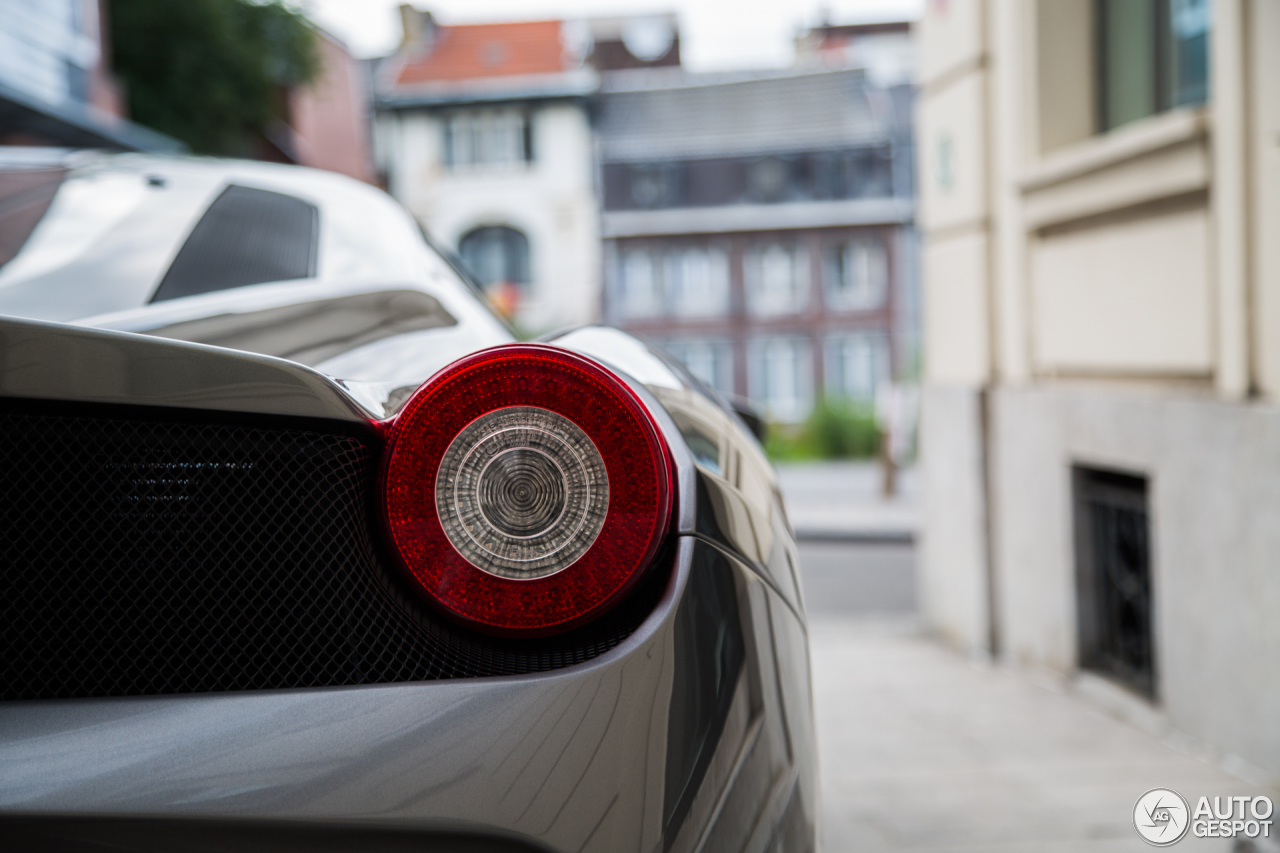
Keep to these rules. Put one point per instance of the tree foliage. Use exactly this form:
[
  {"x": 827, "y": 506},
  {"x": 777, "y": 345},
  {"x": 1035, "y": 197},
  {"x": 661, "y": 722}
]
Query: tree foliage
[{"x": 211, "y": 73}]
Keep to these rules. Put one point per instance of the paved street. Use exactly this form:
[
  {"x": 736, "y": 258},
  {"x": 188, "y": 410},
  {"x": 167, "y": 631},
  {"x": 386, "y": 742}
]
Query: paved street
[
  {"x": 924, "y": 749},
  {"x": 844, "y": 578},
  {"x": 921, "y": 749},
  {"x": 844, "y": 498}
]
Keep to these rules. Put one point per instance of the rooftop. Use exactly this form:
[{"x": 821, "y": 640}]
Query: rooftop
[
  {"x": 664, "y": 113},
  {"x": 486, "y": 50}
]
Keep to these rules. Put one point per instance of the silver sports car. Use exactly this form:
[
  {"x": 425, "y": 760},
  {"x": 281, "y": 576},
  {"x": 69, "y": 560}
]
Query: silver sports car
[{"x": 303, "y": 551}]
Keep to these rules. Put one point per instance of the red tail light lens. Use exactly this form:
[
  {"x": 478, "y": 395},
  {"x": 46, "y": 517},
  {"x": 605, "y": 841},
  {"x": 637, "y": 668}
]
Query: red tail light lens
[{"x": 526, "y": 490}]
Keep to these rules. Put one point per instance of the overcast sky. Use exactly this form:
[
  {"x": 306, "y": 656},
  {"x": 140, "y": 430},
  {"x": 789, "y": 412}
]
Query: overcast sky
[{"x": 714, "y": 34}]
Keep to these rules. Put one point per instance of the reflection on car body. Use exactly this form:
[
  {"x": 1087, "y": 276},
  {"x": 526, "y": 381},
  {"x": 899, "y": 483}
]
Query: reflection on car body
[{"x": 214, "y": 631}]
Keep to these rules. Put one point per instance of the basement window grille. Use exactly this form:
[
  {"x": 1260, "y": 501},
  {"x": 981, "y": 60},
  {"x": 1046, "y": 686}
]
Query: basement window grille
[{"x": 1113, "y": 577}]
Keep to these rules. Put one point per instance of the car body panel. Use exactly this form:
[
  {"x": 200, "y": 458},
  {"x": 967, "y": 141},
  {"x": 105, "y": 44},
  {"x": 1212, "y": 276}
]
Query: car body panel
[
  {"x": 544, "y": 757},
  {"x": 694, "y": 733},
  {"x": 117, "y": 222},
  {"x": 50, "y": 361},
  {"x": 574, "y": 759}
]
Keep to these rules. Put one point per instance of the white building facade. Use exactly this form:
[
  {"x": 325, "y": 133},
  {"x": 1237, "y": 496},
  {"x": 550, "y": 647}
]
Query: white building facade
[
  {"x": 498, "y": 167},
  {"x": 1100, "y": 187}
]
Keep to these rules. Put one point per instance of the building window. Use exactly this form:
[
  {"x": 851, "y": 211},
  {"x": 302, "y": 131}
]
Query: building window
[
  {"x": 655, "y": 185},
  {"x": 487, "y": 138},
  {"x": 1153, "y": 55},
  {"x": 780, "y": 377},
  {"x": 496, "y": 256},
  {"x": 856, "y": 365},
  {"x": 855, "y": 173},
  {"x": 1113, "y": 577},
  {"x": 776, "y": 277},
  {"x": 682, "y": 281},
  {"x": 856, "y": 274},
  {"x": 710, "y": 361},
  {"x": 640, "y": 285},
  {"x": 698, "y": 282},
  {"x": 771, "y": 179}
]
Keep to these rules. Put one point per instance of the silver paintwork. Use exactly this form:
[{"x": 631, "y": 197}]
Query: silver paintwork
[
  {"x": 114, "y": 254},
  {"x": 51, "y": 361},
  {"x": 118, "y": 220},
  {"x": 573, "y": 758},
  {"x": 557, "y": 757}
]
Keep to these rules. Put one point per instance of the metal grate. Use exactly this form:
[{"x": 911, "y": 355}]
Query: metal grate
[
  {"x": 152, "y": 556},
  {"x": 1113, "y": 577}
]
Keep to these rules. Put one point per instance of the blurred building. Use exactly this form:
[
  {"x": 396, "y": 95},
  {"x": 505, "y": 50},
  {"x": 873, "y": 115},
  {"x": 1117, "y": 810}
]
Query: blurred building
[
  {"x": 485, "y": 135},
  {"x": 630, "y": 41},
  {"x": 886, "y": 51},
  {"x": 326, "y": 124},
  {"x": 759, "y": 226},
  {"x": 1100, "y": 195},
  {"x": 55, "y": 87}
]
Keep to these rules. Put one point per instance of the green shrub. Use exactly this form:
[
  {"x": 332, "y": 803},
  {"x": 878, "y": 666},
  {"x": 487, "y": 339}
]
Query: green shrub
[
  {"x": 786, "y": 443},
  {"x": 841, "y": 429},
  {"x": 835, "y": 429}
]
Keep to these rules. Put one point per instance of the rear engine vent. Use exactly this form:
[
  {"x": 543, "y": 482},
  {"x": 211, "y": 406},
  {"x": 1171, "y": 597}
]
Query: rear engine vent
[
  {"x": 152, "y": 556},
  {"x": 247, "y": 236}
]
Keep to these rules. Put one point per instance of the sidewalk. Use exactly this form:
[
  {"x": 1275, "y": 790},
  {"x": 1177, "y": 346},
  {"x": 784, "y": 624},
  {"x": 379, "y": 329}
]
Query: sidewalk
[
  {"x": 843, "y": 500},
  {"x": 922, "y": 749}
]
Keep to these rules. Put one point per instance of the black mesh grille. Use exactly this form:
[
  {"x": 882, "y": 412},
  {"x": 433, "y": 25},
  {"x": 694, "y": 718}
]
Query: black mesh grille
[{"x": 164, "y": 556}]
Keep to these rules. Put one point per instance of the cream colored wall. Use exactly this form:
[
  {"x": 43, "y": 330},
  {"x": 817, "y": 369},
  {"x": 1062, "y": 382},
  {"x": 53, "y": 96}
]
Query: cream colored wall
[
  {"x": 1120, "y": 246},
  {"x": 1125, "y": 297},
  {"x": 1264, "y": 181},
  {"x": 1112, "y": 298},
  {"x": 1053, "y": 252},
  {"x": 954, "y": 186},
  {"x": 955, "y": 324},
  {"x": 1229, "y": 199},
  {"x": 1105, "y": 253},
  {"x": 1013, "y": 134},
  {"x": 1147, "y": 162},
  {"x": 953, "y": 156},
  {"x": 950, "y": 37},
  {"x": 1064, "y": 53}
]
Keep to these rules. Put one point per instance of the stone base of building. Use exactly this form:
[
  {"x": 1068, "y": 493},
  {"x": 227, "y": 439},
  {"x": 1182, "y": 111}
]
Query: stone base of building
[{"x": 1082, "y": 483}]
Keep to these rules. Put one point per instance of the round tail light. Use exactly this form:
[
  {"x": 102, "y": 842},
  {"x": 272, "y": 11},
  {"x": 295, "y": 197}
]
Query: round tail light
[{"x": 526, "y": 490}]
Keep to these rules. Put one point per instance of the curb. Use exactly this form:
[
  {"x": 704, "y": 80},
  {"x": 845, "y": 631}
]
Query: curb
[{"x": 871, "y": 536}]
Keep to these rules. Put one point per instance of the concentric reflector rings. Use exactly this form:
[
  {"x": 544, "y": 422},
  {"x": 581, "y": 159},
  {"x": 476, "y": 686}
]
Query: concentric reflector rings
[{"x": 522, "y": 492}]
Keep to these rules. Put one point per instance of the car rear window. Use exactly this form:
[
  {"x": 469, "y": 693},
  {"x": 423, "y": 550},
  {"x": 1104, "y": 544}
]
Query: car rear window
[{"x": 247, "y": 236}]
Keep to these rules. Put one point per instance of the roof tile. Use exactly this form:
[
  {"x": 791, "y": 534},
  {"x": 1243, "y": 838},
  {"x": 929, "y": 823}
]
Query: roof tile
[{"x": 488, "y": 50}]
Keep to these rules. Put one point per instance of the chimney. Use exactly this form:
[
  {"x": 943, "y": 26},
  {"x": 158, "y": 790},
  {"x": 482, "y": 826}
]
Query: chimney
[{"x": 415, "y": 25}]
